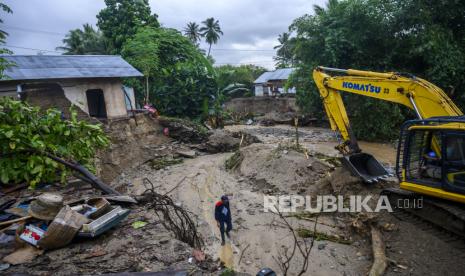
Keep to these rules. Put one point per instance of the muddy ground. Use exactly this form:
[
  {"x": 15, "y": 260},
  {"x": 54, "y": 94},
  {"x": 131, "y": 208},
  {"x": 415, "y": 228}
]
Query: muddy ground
[{"x": 272, "y": 167}]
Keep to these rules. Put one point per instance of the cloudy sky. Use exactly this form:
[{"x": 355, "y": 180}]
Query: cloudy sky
[{"x": 250, "y": 27}]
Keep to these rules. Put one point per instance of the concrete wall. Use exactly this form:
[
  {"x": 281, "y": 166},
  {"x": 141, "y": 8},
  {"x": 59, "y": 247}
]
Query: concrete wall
[
  {"x": 261, "y": 105},
  {"x": 60, "y": 93},
  {"x": 75, "y": 91}
]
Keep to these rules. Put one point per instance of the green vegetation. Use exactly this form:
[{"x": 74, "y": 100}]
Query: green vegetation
[
  {"x": 228, "y": 272},
  {"x": 161, "y": 163},
  {"x": 237, "y": 81},
  {"x": 319, "y": 236},
  {"x": 284, "y": 51},
  {"x": 422, "y": 37},
  {"x": 121, "y": 20},
  {"x": 182, "y": 79},
  {"x": 3, "y": 62},
  {"x": 28, "y": 135},
  {"x": 234, "y": 161},
  {"x": 192, "y": 31},
  {"x": 211, "y": 31},
  {"x": 87, "y": 41}
]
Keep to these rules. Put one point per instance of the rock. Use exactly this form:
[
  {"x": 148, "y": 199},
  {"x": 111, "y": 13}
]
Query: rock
[
  {"x": 332, "y": 251},
  {"x": 186, "y": 153},
  {"x": 222, "y": 141},
  {"x": 322, "y": 246},
  {"x": 164, "y": 240}
]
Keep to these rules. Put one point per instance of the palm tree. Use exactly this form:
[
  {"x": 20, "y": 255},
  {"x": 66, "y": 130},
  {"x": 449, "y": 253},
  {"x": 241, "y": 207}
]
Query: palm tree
[
  {"x": 192, "y": 32},
  {"x": 284, "y": 50},
  {"x": 211, "y": 31},
  {"x": 86, "y": 41}
]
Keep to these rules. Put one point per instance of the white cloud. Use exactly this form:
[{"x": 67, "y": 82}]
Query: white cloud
[{"x": 247, "y": 24}]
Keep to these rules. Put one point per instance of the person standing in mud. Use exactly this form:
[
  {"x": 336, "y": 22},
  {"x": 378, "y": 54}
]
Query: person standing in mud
[{"x": 223, "y": 216}]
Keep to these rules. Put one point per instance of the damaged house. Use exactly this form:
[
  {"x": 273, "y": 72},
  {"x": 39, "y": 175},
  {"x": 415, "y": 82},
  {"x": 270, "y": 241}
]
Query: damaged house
[
  {"x": 272, "y": 83},
  {"x": 93, "y": 83}
]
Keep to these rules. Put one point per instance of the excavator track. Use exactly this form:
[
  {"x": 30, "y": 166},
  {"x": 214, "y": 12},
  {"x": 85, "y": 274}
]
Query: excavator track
[{"x": 443, "y": 219}]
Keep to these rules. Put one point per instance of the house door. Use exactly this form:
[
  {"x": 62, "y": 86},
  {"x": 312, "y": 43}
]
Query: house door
[{"x": 96, "y": 103}]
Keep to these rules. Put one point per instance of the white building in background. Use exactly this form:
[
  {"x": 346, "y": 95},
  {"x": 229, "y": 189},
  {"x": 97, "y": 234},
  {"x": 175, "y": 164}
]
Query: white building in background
[{"x": 272, "y": 83}]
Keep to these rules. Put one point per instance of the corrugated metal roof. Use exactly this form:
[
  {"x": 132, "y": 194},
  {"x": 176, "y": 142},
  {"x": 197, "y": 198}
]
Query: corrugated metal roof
[
  {"x": 278, "y": 74},
  {"x": 67, "y": 67}
]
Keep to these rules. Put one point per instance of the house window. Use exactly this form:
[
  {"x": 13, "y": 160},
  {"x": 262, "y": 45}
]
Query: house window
[{"x": 96, "y": 103}]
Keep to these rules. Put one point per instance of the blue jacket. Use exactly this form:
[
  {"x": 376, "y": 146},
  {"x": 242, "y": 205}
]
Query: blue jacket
[{"x": 222, "y": 212}]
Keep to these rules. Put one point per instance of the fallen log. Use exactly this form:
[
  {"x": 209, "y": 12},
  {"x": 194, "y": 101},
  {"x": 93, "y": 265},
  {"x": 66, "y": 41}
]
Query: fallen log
[
  {"x": 379, "y": 255},
  {"x": 86, "y": 175}
]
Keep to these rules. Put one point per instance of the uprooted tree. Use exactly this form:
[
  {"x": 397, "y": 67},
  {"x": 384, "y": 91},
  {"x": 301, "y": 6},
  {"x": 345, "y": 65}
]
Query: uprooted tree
[{"x": 36, "y": 145}]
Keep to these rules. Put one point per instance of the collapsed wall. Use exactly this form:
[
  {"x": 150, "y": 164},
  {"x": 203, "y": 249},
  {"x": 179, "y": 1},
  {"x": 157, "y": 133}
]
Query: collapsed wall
[
  {"x": 50, "y": 95},
  {"x": 134, "y": 141},
  {"x": 261, "y": 105}
]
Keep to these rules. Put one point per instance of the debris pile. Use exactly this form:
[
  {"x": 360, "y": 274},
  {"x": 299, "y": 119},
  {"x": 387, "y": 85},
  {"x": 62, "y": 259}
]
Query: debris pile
[
  {"x": 85, "y": 232},
  {"x": 183, "y": 130},
  {"x": 46, "y": 222}
]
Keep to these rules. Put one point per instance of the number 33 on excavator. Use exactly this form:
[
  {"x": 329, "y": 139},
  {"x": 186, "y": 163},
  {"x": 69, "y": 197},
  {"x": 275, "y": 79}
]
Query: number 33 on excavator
[{"x": 431, "y": 151}]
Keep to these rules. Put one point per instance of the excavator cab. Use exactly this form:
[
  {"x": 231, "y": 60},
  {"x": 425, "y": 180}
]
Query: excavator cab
[{"x": 431, "y": 157}]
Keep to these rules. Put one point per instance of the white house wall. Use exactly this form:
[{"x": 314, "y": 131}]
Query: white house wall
[{"x": 75, "y": 92}]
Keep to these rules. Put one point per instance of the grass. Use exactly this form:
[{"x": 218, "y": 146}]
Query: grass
[
  {"x": 228, "y": 272},
  {"x": 335, "y": 161},
  {"x": 319, "y": 236},
  {"x": 164, "y": 162},
  {"x": 234, "y": 161}
]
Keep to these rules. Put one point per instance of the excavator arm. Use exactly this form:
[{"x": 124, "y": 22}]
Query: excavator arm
[{"x": 426, "y": 99}]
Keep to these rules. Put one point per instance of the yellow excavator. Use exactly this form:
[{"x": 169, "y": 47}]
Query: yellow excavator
[{"x": 431, "y": 150}]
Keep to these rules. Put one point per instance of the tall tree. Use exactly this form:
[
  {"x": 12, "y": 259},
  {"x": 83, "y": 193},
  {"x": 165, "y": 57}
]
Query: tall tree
[
  {"x": 142, "y": 52},
  {"x": 121, "y": 19},
  {"x": 85, "y": 41},
  {"x": 3, "y": 62},
  {"x": 211, "y": 31},
  {"x": 192, "y": 31},
  {"x": 284, "y": 51},
  {"x": 181, "y": 78}
]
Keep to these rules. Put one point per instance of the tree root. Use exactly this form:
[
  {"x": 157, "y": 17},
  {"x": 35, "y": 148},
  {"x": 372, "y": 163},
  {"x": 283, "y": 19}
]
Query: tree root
[{"x": 379, "y": 255}]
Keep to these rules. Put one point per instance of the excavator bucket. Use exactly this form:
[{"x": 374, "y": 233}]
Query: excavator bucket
[{"x": 365, "y": 166}]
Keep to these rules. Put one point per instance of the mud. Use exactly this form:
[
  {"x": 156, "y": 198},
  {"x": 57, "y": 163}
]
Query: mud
[{"x": 258, "y": 237}]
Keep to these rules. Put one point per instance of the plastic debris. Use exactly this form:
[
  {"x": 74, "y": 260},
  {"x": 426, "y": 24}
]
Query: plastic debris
[
  {"x": 4, "y": 266},
  {"x": 32, "y": 234},
  {"x": 138, "y": 224}
]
